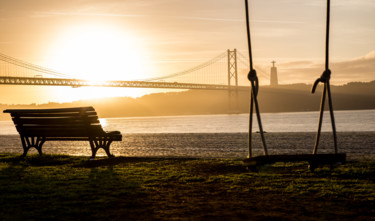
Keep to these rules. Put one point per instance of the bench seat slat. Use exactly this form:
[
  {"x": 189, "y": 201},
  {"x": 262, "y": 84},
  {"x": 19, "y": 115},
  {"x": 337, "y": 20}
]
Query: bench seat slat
[
  {"x": 67, "y": 134},
  {"x": 67, "y": 138},
  {"x": 72, "y": 136},
  {"x": 114, "y": 138},
  {"x": 55, "y": 132}
]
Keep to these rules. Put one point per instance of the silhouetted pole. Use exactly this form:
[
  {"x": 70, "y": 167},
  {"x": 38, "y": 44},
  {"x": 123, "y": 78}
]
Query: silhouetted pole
[
  {"x": 324, "y": 78},
  {"x": 252, "y": 76}
]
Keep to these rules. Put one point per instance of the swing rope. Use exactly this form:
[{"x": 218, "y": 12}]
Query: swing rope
[
  {"x": 253, "y": 78},
  {"x": 314, "y": 159},
  {"x": 324, "y": 78}
]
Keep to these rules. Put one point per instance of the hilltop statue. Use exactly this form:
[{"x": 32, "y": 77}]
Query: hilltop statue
[{"x": 273, "y": 78}]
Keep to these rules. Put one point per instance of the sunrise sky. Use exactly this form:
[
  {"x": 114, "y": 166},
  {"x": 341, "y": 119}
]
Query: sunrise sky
[{"x": 132, "y": 39}]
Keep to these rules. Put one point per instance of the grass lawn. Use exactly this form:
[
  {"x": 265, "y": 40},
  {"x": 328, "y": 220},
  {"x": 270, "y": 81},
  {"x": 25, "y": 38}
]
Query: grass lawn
[{"x": 57, "y": 187}]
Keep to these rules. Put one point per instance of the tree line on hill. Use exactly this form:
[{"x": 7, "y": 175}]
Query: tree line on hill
[{"x": 282, "y": 98}]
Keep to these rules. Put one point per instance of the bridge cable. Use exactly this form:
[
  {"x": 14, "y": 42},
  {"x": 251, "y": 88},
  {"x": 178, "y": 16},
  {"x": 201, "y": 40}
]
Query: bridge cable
[
  {"x": 252, "y": 76},
  {"x": 242, "y": 59},
  {"x": 324, "y": 78},
  {"x": 196, "y": 68},
  {"x": 30, "y": 66}
]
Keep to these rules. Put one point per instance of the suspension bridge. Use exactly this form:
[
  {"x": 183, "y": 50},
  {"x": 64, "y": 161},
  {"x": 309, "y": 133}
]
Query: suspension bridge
[{"x": 219, "y": 73}]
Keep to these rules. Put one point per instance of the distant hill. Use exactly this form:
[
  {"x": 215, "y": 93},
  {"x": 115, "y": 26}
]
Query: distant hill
[{"x": 283, "y": 98}]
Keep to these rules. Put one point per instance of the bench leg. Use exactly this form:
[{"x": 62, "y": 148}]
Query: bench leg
[
  {"x": 100, "y": 142},
  {"x": 28, "y": 142}
]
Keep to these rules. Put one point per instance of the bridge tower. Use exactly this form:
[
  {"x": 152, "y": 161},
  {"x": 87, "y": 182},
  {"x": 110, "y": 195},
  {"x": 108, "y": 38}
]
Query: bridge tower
[{"x": 232, "y": 81}]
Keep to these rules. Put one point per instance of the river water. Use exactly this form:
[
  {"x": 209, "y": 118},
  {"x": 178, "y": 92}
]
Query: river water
[
  {"x": 219, "y": 135},
  {"x": 362, "y": 120},
  {"x": 272, "y": 122}
]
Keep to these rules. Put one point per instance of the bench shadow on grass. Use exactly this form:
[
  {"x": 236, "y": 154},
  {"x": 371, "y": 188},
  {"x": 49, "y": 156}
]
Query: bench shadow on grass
[{"x": 34, "y": 189}]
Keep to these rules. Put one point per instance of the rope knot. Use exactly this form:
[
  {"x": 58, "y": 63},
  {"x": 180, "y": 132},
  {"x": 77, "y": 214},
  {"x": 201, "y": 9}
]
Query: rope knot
[
  {"x": 252, "y": 76},
  {"x": 324, "y": 78}
]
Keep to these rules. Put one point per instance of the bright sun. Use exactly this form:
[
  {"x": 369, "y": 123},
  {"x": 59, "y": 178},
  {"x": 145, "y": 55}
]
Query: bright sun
[{"x": 97, "y": 53}]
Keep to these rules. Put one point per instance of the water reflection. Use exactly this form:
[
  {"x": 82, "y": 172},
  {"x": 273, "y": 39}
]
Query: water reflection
[{"x": 103, "y": 122}]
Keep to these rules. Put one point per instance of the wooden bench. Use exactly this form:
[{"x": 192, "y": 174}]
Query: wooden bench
[{"x": 37, "y": 126}]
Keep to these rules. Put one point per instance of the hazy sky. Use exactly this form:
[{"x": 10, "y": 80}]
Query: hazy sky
[{"x": 165, "y": 36}]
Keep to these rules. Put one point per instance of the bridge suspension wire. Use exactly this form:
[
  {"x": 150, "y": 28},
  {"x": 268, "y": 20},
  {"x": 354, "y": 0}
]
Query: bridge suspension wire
[
  {"x": 207, "y": 64},
  {"x": 29, "y": 66},
  {"x": 245, "y": 61}
]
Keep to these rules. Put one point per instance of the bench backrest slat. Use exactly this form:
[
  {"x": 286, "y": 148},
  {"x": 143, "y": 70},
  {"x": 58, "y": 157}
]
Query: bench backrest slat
[
  {"x": 66, "y": 122},
  {"x": 53, "y": 121},
  {"x": 61, "y": 114},
  {"x": 57, "y": 110}
]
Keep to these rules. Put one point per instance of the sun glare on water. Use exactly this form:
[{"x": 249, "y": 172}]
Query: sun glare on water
[{"x": 98, "y": 53}]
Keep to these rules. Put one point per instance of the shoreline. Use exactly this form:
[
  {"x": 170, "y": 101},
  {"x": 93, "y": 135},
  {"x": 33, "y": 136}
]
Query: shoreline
[{"x": 357, "y": 145}]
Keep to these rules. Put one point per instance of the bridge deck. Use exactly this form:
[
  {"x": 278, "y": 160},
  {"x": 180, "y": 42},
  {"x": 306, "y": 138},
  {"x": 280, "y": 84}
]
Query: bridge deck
[{"x": 134, "y": 84}]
